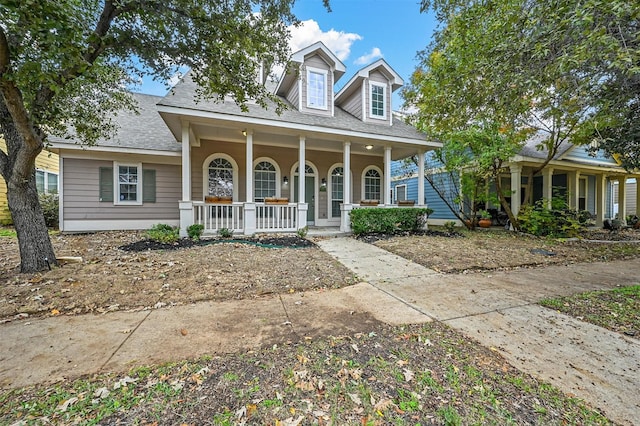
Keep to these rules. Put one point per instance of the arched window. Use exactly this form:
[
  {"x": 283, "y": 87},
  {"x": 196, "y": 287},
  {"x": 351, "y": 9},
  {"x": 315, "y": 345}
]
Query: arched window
[
  {"x": 264, "y": 180},
  {"x": 372, "y": 182},
  {"x": 220, "y": 178},
  {"x": 337, "y": 190}
]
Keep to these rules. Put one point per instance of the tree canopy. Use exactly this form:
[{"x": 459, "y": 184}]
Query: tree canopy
[{"x": 68, "y": 64}]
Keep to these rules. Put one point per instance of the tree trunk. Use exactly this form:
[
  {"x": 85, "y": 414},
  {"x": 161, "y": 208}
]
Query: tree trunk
[{"x": 36, "y": 250}]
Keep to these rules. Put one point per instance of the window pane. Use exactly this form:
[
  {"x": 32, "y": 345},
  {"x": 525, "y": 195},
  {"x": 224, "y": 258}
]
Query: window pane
[
  {"x": 377, "y": 101},
  {"x": 316, "y": 90},
  {"x": 52, "y": 183},
  {"x": 128, "y": 183},
  {"x": 264, "y": 180},
  {"x": 337, "y": 188},
  {"x": 372, "y": 185},
  {"x": 220, "y": 178},
  {"x": 40, "y": 180}
]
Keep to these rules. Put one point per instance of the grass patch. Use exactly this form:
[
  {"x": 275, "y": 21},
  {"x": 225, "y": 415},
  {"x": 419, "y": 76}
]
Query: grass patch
[
  {"x": 420, "y": 374},
  {"x": 617, "y": 310},
  {"x": 8, "y": 232}
]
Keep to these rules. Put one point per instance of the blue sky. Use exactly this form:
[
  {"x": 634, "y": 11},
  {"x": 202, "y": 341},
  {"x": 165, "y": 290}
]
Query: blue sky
[{"x": 359, "y": 32}]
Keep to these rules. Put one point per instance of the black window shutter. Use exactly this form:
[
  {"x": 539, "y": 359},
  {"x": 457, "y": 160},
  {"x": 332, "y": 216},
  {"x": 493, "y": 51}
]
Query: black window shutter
[{"x": 106, "y": 184}]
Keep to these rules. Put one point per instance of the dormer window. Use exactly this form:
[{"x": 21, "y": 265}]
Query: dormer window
[
  {"x": 316, "y": 88},
  {"x": 377, "y": 109}
]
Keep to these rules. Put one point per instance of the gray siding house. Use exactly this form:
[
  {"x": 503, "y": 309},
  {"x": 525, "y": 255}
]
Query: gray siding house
[{"x": 184, "y": 160}]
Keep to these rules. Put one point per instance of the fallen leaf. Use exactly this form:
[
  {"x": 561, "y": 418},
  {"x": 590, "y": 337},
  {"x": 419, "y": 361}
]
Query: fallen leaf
[
  {"x": 355, "y": 398},
  {"x": 101, "y": 393},
  {"x": 55, "y": 312},
  {"x": 184, "y": 331},
  {"x": 64, "y": 406},
  {"x": 408, "y": 374}
]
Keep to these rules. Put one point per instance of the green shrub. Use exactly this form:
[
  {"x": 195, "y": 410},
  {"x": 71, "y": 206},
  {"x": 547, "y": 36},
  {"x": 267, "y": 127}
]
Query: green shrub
[
  {"x": 449, "y": 226},
  {"x": 541, "y": 221},
  {"x": 50, "y": 209},
  {"x": 388, "y": 220},
  {"x": 195, "y": 231},
  {"x": 302, "y": 232},
  {"x": 225, "y": 232},
  {"x": 163, "y": 233}
]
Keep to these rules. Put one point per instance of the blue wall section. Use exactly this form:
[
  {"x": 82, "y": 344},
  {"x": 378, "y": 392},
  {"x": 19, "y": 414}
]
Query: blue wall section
[{"x": 580, "y": 153}]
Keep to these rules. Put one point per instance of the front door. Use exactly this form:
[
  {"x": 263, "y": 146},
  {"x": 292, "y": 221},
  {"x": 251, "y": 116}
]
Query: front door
[{"x": 309, "y": 196}]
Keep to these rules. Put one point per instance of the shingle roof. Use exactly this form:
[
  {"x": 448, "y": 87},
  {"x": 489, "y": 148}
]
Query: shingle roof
[
  {"x": 183, "y": 95},
  {"x": 143, "y": 130},
  {"x": 530, "y": 147}
]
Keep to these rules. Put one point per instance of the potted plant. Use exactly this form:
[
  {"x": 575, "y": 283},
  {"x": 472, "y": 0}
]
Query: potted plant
[{"x": 485, "y": 219}]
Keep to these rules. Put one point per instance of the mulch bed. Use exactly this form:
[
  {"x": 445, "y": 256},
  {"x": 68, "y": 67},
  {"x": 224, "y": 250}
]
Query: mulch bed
[{"x": 269, "y": 241}]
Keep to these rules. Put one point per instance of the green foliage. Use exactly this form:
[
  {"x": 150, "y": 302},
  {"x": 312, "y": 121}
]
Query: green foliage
[
  {"x": 555, "y": 222},
  {"x": 50, "y": 208},
  {"x": 388, "y": 220},
  {"x": 163, "y": 233},
  {"x": 302, "y": 232},
  {"x": 195, "y": 231},
  {"x": 449, "y": 226},
  {"x": 225, "y": 232}
]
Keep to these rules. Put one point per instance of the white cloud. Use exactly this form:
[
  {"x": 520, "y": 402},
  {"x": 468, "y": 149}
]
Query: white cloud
[
  {"x": 309, "y": 32},
  {"x": 369, "y": 57}
]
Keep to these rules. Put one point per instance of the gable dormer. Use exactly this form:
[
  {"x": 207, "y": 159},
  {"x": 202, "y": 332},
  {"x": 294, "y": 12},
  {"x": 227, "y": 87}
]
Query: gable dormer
[
  {"x": 308, "y": 80},
  {"x": 368, "y": 94}
]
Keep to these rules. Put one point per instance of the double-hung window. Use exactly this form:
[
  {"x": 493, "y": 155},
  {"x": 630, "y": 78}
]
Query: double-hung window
[
  {"x": 46, "y": 182},
  {"x": 377, "y": 109},
  {"x": 316, "y": 88},
  {"x": 128, "y": 183}
]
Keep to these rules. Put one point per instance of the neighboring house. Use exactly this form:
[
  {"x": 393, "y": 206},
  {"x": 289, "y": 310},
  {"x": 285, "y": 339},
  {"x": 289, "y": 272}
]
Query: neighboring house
[
  {"x": 185, "y": 161},
  {"x": 46, "y": 180},
  {"x": 588, "y": 182}
]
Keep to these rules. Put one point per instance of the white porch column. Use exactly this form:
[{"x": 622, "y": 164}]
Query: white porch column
[
  {"x": 185, "y": 205},
  {"x": 249, "y": 206},
  {"x": 421, "y": 200},
  {"x": 547, "y": 185},
  {"x": 302, "y": 205},
  {"x": 622, "y": 199},
  {"x": 601, "y": 199},
  {"x": 574, "y": 194},
  {"x": 516, "y": 188},
  {"x": 345, "y": 208},
  {"x": 387, "y": 175}
]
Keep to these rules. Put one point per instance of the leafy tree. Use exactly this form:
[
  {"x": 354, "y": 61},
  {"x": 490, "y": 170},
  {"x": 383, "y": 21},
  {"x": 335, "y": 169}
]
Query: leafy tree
[{"x": 65, "y": 66}]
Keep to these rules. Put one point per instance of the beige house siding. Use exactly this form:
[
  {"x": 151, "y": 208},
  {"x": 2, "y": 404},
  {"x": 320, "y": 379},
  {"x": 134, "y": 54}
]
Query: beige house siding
[
  {"x": 285, "y": 159},
  {"x": 317, "y": 62},
  {"x": 293, "y": 95},
  {"x": 46, "y": 160},
  {"x": 353, "y": 104},
  {"x": 80, "y": 198}
]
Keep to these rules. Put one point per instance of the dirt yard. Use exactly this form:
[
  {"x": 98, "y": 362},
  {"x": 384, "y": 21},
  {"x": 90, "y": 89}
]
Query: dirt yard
[{"x": 110, "y": 279}]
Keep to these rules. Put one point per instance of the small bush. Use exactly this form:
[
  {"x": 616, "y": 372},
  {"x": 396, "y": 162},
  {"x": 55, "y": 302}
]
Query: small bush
[
  {"x": 302, "y": 232},
  {"x": 449, "y": 226},
  {"x": 542, "y": 221},
  {"x": 195, "y": 231},
  {"x": 225, "y": 232},
  {"x": 50, "y": 209},
  {"x": 388, "y": 220},
  {"x": 163, "y": 233}
]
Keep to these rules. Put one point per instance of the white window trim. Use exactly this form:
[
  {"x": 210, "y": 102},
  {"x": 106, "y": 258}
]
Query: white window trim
[
  {"x": 396, "y": 189},
  {"x": 46, "y": 188},
  {"x": 278, "y": 174},
  {"x": 384, "y": 100},
  {"x": 362, "y": 181},
  {"x": 205, "y": 173},
  {"x": 116, "y": 184},
  {"x": 325, "y": 74}
]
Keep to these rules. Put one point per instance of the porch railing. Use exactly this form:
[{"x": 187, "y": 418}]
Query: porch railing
[
  {"x": 218, "y": 216},
  {"x": 276, "y": 217}
]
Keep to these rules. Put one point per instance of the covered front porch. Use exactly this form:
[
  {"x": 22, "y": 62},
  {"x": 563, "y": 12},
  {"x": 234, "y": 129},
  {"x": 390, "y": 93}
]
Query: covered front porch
[{"x": 248, "y": 180}]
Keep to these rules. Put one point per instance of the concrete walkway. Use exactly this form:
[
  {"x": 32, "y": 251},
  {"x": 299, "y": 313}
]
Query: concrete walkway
[{"x": 496, "y": 309}]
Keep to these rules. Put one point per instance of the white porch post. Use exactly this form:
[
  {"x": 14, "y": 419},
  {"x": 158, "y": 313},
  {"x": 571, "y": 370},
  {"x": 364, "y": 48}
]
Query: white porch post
[
  {"x": 421, "y": 200},
  {"x": 601, "y": 200},
  {"x": 547, "y": 185},
  {"x": 249, "y": 205},
  {"x": 185, "y": 205},
  {"x": 574, "y": 195},
  {"x": 387, "y": 175},
  {"x": 622, "y": 199},
  {"x": 345, "y": 208},
  {"x": 303, "y": 207},
  {"x": 516, "y": 188}
]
